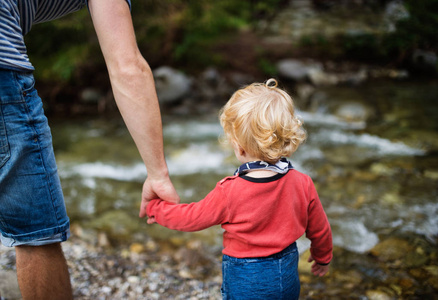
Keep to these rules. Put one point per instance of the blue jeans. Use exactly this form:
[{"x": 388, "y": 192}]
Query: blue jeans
[
  {"x": 32, "y": 209},
  {"x": 264, "y": 278}
]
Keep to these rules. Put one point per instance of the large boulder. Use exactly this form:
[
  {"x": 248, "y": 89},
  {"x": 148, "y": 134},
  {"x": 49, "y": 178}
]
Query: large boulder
[
  {"x": 172, "y": 85},
  {"x": 297, "y": 70}
]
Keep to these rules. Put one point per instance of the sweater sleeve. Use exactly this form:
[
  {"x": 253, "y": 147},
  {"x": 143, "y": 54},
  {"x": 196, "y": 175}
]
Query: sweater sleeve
[
  {"x": 212, "y": 210},
  {"x": 318, "y": 229}
]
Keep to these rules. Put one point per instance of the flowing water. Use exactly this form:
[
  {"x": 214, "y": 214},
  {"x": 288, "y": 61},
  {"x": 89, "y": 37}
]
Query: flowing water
[{"x": 375, "y": 168}]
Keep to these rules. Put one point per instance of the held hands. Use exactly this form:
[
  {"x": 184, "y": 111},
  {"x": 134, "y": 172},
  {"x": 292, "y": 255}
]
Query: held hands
[
  {"x": 317, "y": 269},
  {"x": 153, "y": 189}
]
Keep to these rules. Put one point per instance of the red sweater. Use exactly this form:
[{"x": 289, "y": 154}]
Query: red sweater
[{"x": 260, "y": 216}]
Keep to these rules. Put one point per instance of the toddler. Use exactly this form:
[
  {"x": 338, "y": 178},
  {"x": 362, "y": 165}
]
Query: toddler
[{"x": 265, "y": 207}]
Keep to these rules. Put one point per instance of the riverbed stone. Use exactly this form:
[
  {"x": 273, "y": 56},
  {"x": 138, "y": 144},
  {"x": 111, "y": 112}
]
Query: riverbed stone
[
  {"x": 353, "y": 112},
  {"x": 137, "y": 248},
  {"x": 394, "y": 11},
  {"x": 297, "y": 70},
  {"x": 391, "y": 249},
  {"x": 416, "y": 258},
  {"x": 116, "y": 223},
  {"x": 433, "y": 281},
  {"x": 90, "y": 95},
  {"x": 377, "y": 295},
  {"x": 321, "y": 78},
  {"x": 348, "y": 277},
  {"x": 426, "y": 61},
  {"x": 171, "y": 85}
]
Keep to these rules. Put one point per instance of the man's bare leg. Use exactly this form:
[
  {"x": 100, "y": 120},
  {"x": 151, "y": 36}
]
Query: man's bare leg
[{"x": 43, "y": 273}]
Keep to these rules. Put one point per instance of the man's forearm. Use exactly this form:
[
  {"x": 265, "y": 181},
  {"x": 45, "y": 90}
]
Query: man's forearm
[
  {"x": 132, "y": 81},
  {"x": 135, "y": 95}
]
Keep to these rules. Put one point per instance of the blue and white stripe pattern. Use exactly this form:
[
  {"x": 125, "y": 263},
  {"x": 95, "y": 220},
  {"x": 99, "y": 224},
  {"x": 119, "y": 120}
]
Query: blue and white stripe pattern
[
  {"x": 282, "y": 166},
  {"x": 16, "y": 20}
]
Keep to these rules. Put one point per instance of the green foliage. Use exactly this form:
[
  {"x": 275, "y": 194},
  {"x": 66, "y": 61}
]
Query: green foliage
[
  {"x": 180, "y": 32},
  {"x": 57, "y": 48},
  {"x": 267, "y": 67},
  {"x": 362, "y": 46},
  {"x": 185, "y": 32},
  {"x": 420, "y": 30}
]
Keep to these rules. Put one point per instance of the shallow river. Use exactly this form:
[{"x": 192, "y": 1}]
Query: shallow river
[{"x": 372, "y": 153}]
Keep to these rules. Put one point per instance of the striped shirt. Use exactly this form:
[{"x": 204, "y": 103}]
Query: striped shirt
[{"x": 16, "y": 20}]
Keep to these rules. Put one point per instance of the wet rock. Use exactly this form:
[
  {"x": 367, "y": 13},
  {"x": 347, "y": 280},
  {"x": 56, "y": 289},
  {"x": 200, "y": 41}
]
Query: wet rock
[
  {"x": 212, "y": 86},
  {"x": 177, "y": 241},
  {"x": 171, "y": 85},
  {"x": 102, "y": 240},
  {"x": 136, "y": 248},
  {"x": 431, "y": 174},
  {"x": 90, "y": 95},
  {"x": 377, "y": 295},
  {"x": 433, "y": 282},
  {"x": 391, "y": 249},
  {"x": 352, "y": 277},
  {"x": 382, "y": 169},
  {"x": 416, "y": 258},
  {"x": 320, "y": 78},
  {"x": 116, "y": 223},
  {"x": 378, "y": 73},
  {"x": 425, "y": 61},
  {"x": 391, "y": 198},
  {"x": 151, "y": 246},
  {"x": 304, "y": 91},
  {"x": 297, "y": 70},
  {"x": 394, "y": 12},
  {"x": 353, "y": 112}
]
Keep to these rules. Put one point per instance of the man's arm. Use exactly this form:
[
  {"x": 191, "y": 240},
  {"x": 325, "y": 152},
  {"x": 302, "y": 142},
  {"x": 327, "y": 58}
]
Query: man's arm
[{"x": 134, "y": 91}]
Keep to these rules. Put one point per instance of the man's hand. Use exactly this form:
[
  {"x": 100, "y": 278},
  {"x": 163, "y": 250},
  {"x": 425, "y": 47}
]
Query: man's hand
[
  {"x": 317, "y": 269},
  {"x": 153, "y": 189}
]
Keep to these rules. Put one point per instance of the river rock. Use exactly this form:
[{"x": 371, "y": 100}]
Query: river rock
[
  {"x": 137, "y": 248},
  {"x": 90, "y": 95},
  {"x": 352, "y": 277},
  {"x": 425, "y": 61},
  {"x": 297, "y": 70},
  {"x": 171, "y": 85},
  {"x": 377, "y": 295},
  {"x": 391, "y": 249},
  {"x": 394, "y": 12},
  {"x": 353, "y": 112},
  {"x": 304, "y": 92},
  {"x": 117, "y": 223},
  {"x": 320, "y": 78}
]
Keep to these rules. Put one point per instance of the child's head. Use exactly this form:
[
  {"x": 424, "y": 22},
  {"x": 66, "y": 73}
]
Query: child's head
[{"x": 260, "y": 119}]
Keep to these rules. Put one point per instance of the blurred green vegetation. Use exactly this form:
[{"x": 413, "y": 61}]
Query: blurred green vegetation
[
  {"x": 186, "y": 34},
  {"x": 418, "y": 31},
  {"x": 177, "y": 32}
]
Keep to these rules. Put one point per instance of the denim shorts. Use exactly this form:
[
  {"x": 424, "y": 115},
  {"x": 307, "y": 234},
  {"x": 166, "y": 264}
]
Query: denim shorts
[
  {"x": 272, "y": 277},
  {"x": 32, "y": 208}
]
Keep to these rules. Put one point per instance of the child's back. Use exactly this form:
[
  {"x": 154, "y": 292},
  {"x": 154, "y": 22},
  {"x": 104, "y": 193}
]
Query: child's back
[{"x": 265, "y": 207}]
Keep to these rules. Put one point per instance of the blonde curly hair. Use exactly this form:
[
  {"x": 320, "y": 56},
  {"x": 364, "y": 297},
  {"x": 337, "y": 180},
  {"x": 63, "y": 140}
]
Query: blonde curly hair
[{"x": 261, "y": 119}]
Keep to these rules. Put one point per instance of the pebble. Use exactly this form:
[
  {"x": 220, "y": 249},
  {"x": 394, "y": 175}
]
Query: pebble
[{"x": 98, "y": 272}]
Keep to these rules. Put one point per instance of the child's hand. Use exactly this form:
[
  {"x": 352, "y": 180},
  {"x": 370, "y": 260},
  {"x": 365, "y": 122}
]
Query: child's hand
[
  {"x": 151, "y": 220},
  {"x": 317, "y": 269}
]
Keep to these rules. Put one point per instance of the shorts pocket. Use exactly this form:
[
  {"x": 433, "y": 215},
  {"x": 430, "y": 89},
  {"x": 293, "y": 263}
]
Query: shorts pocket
[{"x": 5, "y": 152}]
